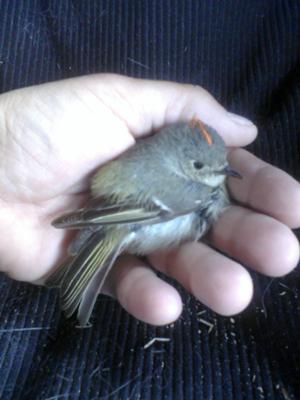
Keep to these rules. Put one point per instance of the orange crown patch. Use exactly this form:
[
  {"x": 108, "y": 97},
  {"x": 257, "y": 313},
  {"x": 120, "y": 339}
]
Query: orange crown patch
[{"x": 197, "y": 123}]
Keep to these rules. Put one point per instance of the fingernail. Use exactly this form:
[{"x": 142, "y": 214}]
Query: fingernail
[{"x": 239, "y": 120}]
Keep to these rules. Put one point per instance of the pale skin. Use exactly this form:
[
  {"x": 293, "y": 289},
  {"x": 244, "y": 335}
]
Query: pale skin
[{"x": 53, "y": 136}]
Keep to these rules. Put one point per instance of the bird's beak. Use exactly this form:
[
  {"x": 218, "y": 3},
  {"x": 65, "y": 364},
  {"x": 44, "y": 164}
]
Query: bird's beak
[{"x": 231, "y": 172}]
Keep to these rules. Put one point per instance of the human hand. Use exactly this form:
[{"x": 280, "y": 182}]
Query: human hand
[{"x": 54, "y": 136}]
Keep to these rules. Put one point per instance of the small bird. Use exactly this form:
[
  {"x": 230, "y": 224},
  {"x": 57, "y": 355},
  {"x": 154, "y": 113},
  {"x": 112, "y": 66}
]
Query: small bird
[{"x": 166, "y": 189}]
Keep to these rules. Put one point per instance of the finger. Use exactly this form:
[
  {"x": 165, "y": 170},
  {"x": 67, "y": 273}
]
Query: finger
[
  {"x": 101, "y": 115},
  {"x": 220, "y": 283},
  {"x": 142, "y": 293},
  {"x": 256, "y": 240},
  {"x": 146, "y": 105},
  {"x": 265, "y": 188}
]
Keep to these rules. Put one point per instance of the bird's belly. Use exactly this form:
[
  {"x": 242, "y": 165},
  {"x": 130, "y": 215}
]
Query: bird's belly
[{"x": 149, "y": 238}]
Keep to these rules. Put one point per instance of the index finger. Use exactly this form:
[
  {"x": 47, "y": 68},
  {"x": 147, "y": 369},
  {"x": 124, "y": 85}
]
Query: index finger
[{"x": 265, "y": 188}]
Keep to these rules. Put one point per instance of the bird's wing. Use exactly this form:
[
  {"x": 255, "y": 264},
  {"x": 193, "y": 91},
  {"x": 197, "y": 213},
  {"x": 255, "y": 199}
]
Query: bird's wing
[
  {"x": 110, "y": 214},
  {"x": 161, "y": 206},
  {"x": 101, "y": 216}
]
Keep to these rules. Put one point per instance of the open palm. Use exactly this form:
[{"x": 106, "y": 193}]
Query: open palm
[{"x": 54, "y": 136}]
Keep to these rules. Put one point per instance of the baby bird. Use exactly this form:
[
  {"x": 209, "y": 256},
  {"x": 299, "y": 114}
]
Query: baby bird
[{"x": 166, "y": 189}]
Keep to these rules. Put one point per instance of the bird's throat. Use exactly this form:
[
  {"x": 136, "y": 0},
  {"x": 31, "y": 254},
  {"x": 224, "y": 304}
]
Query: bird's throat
[{"x": 213, "y": 180}]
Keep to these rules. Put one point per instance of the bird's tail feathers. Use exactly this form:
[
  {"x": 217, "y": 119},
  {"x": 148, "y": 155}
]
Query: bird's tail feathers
[{"x": 82, "y": 276}]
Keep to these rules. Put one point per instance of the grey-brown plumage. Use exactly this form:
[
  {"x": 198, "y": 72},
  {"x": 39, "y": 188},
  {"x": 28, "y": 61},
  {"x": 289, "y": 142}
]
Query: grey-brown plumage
[{"x": 166, "y": 189}]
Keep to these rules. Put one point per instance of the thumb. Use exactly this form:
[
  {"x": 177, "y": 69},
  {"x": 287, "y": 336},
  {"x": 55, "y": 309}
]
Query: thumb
[
  {"x": 147, "y": 104},
  {"x": 88, "y": 120}
]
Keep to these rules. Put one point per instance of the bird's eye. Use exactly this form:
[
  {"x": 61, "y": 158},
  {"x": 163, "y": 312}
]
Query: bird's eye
[{"x": 198, "y": 164}]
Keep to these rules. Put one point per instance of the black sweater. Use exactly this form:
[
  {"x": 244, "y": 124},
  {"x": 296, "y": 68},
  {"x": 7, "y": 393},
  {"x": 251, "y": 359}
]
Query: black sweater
[{"x": 247, "y": 53}]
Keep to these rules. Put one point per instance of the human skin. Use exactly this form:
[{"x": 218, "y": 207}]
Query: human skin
[{"x": 54, "y": 136}]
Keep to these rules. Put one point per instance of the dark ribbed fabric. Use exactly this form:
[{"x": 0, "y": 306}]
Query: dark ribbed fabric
[{"x": 246, "y": 52}]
